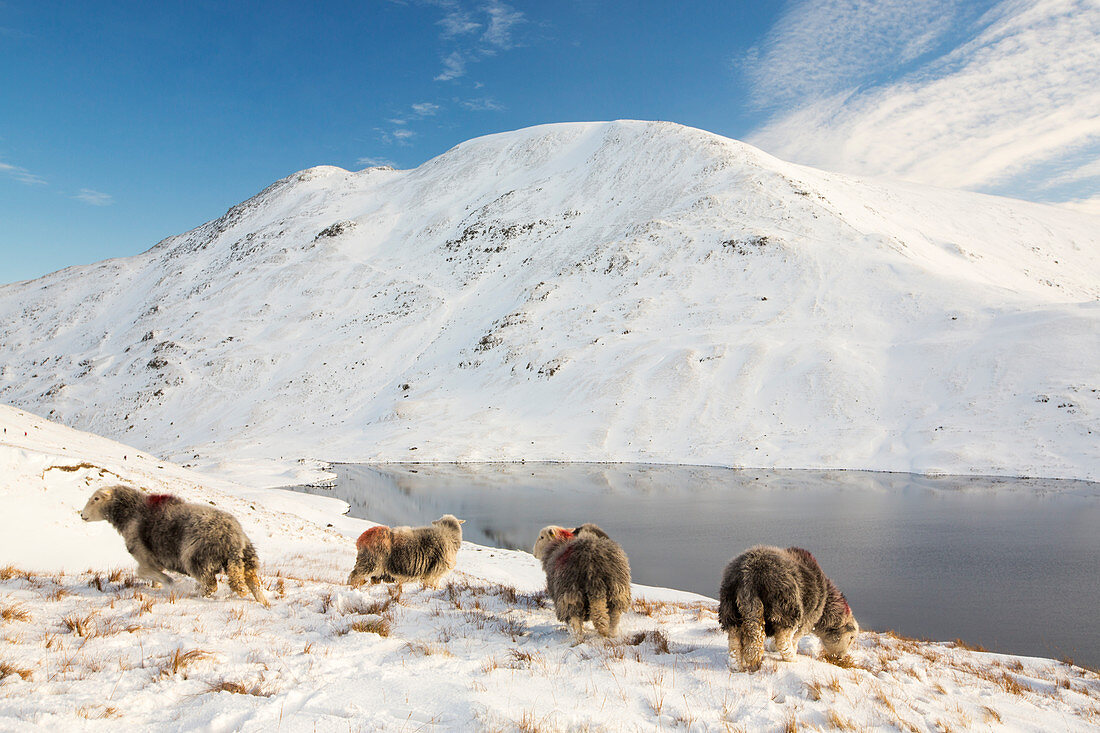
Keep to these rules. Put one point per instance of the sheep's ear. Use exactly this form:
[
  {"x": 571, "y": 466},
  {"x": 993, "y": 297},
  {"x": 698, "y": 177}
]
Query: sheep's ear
[{"x": 462, "y": 521}]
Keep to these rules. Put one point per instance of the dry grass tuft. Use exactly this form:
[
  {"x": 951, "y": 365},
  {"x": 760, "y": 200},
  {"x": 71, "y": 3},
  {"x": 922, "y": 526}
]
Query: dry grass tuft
[
  {"x": 84, "y": 626},
  {"x": 96, "y": 712},
  {"x": 179, "y": 660},
  {"x": 7, "y": 669},
  {"x": 14, "y": 612},
  {"x": 960, "y": 644},
  {"x": 837, "y": 721},
  {"x": 368, "y": 608},
  {"x": 790, "y": 725},
  {"x": 379, "y": 625},
  {"x": 426, "y": 650},
  {"x": 654, "y": 636},
  {"x": 10, "y": 571},
  {"x": 238, "y": 688}
]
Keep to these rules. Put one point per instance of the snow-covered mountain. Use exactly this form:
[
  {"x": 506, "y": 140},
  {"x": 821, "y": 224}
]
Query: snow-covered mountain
[{"x": 599, "y": 291}]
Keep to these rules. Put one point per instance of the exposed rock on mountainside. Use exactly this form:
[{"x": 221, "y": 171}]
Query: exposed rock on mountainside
[{"x": 598, "y": 291}]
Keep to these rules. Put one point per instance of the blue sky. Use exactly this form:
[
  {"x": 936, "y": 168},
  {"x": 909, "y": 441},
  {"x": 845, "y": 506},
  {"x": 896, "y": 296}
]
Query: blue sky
[{"x": 122, "y": 123}]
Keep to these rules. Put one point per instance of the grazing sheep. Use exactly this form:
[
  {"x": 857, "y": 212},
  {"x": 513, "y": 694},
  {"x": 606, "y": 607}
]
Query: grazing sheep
[
  {"x": 407, "y": 553},
  {"x": 163, "y": 532},
  {"x": 587, "y": 576},
  {"x": 769, "y": 591}
]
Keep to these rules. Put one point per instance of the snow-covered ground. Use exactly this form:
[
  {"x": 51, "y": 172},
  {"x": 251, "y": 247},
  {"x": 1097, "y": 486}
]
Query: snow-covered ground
[
  {"x": 86, "y": 646},
  {"x": 626, "y": 291}
]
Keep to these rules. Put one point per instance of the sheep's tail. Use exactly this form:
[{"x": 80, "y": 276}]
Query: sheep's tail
[
  {"x": 752, "y": 626},
  {"x": 251, "y": 563},
  {"x": 597, "y": 611}
]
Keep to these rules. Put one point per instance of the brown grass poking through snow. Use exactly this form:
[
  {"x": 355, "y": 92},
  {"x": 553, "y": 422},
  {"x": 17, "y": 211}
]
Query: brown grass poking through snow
[
  {"x": 10, "y": 669},
  {"x": 366, "y": 607},
  {"x": 84, "y": 626},
  {"x": 96, "y": 712},
  {"x": 380, "y": 626},
  {"x": 179, "y": 660},
  {"x": 238, "y": 688},
  {"x": 654, "y": 636},
  {"x": 14, "y": 612}
]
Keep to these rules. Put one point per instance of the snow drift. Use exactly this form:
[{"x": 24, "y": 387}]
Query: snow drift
[{"x": 601, "y": 291}]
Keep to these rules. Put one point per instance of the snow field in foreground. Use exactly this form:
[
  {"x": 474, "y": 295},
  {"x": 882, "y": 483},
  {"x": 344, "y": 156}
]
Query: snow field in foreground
[{"x": 93, "y": 649}]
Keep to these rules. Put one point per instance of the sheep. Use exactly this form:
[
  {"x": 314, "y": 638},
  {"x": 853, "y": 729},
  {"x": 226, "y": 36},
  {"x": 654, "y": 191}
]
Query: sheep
[
  {"x": 587, "y": 577},
  {"x": 769, "y": 591},
  {"x": 407, "y": 553},
  {"x": 163, "y": 532}
]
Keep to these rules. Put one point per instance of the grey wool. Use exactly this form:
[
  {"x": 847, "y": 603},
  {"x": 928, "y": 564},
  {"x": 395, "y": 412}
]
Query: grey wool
[
  {"x": 408, "y": 553},
  {"x": 783, "y": 593},
  {"x": 587, "y": 577},
  {"x": 163, "y": 532}
]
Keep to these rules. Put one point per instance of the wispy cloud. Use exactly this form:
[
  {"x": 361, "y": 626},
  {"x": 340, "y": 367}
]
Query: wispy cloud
[
  {"x": 481, "y": 104},
  {"x": 454, "y": 66},
  {"x": 474, "y": 32},
  {"x": 94, "y": 198},
  {"x": 1010, "y": 107},
  {"x": 457, "y": 22},
  {"x": 425, "y": 109},
  {"x": 373, "y": 162},
  {"x": 398, "y": 135},
  {"x": 819, "y": 47},
  {"x": 502, "y": 19},
  {"x": 21, "y": 174}
]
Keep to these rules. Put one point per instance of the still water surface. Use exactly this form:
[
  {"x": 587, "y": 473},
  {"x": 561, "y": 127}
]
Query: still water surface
[{"x": 1010, "y": 564}]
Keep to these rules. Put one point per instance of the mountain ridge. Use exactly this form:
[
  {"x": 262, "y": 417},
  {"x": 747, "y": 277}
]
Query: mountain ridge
[{"x": 584, "y": 291}]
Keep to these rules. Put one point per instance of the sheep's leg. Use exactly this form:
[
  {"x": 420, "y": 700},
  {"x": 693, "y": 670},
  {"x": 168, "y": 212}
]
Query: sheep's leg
[
  {"x": 153, "y": 575},
  {"x": 148, "y": 567},
  {"x": 752, "y": 645},
  {"x": 576, "y": 625},
  {"x": 614, "y": 615},
  {"x": 600, "y": 616},
  {"x": 734, "y": 634},
  {"x": 252, "y": 580},
  {"x": 209, "y": 583},
  {"x": 234, "y": 575},
  {"x": 784, "y": 639}
]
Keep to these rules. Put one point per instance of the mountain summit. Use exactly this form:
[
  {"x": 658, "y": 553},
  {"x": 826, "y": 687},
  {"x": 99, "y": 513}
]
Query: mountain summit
[{"x": 631, "y": 291}]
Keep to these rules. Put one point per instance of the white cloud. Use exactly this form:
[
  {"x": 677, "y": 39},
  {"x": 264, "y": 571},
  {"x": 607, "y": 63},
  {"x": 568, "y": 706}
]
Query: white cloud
[
  {"x": 425, "y": 109},
  {"x": 481, "y": 104},
  {"x": 820, "y": 46},
  {"x": 458, "y": 23},
  {"x": 454, "y": 66},
  {"x": 502, "y": 18},
  {"x": 475, "y": 32},
  {"x": 1089, "y": 205},
  {"x": 95, "y": 198},
  {"x": 401, "y": 134},
  {"x": 1003, "y": 111},
  {"x": 21, "y": 174},
  {"x": 373, "y": 162}
]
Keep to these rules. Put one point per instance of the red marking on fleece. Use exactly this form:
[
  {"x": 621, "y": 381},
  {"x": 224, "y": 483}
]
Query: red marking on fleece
[
  {"x": 156, "y": 501},
  {"x": 373, "y": 536},
  {"x": 565, "y": 534},
  {"x": 563, "y": 558}
]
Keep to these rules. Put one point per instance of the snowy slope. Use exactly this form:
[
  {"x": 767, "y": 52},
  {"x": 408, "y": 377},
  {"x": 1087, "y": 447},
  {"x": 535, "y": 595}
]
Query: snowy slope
[
  {"x": 602, "y": 291},
  {"x": 86, "y": 646}
]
